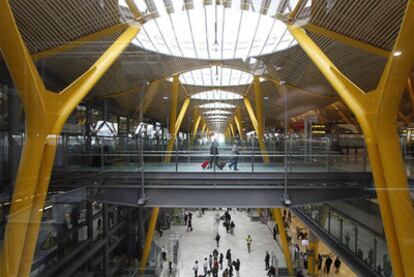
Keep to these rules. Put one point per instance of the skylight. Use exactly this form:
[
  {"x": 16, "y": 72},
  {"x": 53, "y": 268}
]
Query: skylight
[
  {"x": 216, "y": 76},
  {"x": 217, "y": 105},
  {"x": 216, "y": 94},
  {"x": 217, "y": 117},
  {"x": 209, "y": 112},
  {"x": 212, "y": 31}
]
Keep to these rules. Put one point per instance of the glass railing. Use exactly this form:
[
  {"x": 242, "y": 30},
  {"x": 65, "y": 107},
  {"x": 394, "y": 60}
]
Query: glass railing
[
  {"x": 202, "y": 161},
  {"x": 364, "y": 243}
]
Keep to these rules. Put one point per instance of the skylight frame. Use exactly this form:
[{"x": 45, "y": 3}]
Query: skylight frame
[
  {"x": 212, "y": 31},
  {"x": 217, "y": 105},
  {"x": 216, "y": 95}
]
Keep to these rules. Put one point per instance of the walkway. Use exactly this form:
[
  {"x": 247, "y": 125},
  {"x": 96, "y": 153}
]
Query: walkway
[{"x": 200, "y": 243}]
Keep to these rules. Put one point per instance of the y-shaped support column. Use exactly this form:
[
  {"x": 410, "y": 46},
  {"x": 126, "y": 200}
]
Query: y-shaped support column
[
  {"x": 277, "y": 216},
  {"x": 376, "y": 112},
  {"x": 149, "y": 238},
  {"x": 46, "y": 113}
]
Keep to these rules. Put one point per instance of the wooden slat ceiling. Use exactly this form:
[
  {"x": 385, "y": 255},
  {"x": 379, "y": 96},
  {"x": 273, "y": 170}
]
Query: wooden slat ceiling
[
  {"x": 47, "y": 24},
  {"x": 374, "y": 22}
]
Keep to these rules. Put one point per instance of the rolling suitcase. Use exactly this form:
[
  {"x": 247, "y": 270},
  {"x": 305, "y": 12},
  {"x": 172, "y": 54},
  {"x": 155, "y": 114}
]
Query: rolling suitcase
[{"x": 204, "y": 164}]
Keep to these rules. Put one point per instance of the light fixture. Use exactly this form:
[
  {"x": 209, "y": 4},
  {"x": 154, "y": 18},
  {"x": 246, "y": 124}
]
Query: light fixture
[{"x": 397, "y": 53}]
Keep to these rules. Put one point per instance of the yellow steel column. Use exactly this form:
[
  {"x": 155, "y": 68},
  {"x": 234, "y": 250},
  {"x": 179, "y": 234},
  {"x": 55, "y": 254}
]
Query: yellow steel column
[
  {"x": 410, "y": 89},
  {"x": 176, "y": 128},
  {"x": 259, "y": 106},
  {"x": 203, "y": 128},
  {"x": 376, "y": 112},
  {"x": 341, "y": 114},
  {"x": 404, "y": 118},
  {"x": 233, "y": 134},
  {"x": 251, "y": 113},
  {"x": 148, "y": 239},
  {"x": 174, "y": 102},
  {"x": 149, "y": 95},
  {"x": 239, "y": 127},
  {"x": 46, "y": 112},
  {"x": 196, "y": 123},
  {"x": 255, "y": 124},
  {"x": 277, "y": 216},
  {"x": 172, "y": 117},
  {"x": 313, "y": 260}
]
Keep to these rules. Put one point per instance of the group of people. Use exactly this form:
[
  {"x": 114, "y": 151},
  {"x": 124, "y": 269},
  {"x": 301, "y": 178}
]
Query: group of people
[
  {"x": 214, "y": 157},
  {"x": 214, "y": 263}
]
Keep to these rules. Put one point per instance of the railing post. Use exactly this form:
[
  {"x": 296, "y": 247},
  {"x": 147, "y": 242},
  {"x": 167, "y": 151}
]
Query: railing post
[
  {"x": 328, "y": 154},
  {"x": 102, "y": 157},
  {"x": 176, "y": 155},
  {"x": 252, "y": 154},
  {"x": 214, "y": 161},
  {"x": 364, "y": 156}
]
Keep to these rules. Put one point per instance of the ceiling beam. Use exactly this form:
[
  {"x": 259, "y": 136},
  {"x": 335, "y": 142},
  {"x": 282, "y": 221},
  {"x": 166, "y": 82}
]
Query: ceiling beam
[
  {"x": 79, "y": 42},
  {"x": 346, "y": 40}
]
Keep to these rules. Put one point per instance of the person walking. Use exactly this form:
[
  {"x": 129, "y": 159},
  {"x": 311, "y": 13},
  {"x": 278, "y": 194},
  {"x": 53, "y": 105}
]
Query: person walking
[
  {"x": 267, "y": 260},
  {"x": 195, "y": 268},
  {"x": 221, "y": 260},
  {"x": 214, "y": 156},
  {"x": 320, "y": 261},
  {"x": 231, "y": 271},
  {"x": 337, "y": 265},
  {"x": 232, "y": 226},
  {"x": 235, "y": 158},
  {"x": 328, "y": 263},
  {"x": 249, "y": 241},
  {"x": 218, "y": 240},
  {"x": 237, "y": 267},
  {"x": 271, "y": 272},
  {"x": 215, "y": 254},
  {"x": 205, "y": 267},
  {"x": 275, "y": 232},
  {"x": 190, "y": 225},
  {"x": 228, "y": 257},
  {"x": 215, "y": 269}
]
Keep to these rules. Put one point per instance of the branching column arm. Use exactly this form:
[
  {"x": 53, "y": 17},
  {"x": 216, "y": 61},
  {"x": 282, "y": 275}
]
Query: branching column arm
[
  {"x": 376, "y": 112},
  {"x": 46, "y": 112}
]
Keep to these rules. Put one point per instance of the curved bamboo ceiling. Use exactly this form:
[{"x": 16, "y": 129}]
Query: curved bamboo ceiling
[{"x": 349, "y": 32}]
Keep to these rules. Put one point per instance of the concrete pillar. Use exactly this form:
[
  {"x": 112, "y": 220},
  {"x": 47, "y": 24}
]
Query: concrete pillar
[{"x": 14, "y": 135}]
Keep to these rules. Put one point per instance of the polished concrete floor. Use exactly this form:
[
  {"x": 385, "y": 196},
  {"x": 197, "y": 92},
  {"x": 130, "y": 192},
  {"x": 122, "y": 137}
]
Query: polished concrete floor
[{"x": 200, "y": 243}]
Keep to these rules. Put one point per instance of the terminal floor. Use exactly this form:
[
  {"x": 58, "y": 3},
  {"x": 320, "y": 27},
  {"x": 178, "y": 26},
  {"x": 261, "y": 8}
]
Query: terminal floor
[
  {"x": 345, "y": 271},
  {"x": 200, "y": 243}
]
